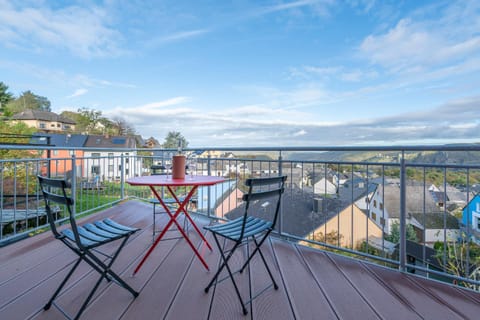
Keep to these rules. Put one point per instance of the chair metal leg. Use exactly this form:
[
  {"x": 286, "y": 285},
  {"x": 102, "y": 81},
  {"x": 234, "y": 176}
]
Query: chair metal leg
[
  {"x": 60, "y": 287},
  {"x": 106, "y": 269},
  {"x": 90, "y": 295},
  {"x": 214, "y": 278},
  {"x": 275, "y": 286},
  {"x": 153, "y": 229},
  {"x": 225, "y": 260},
  {"x": 257, "y": 248}
]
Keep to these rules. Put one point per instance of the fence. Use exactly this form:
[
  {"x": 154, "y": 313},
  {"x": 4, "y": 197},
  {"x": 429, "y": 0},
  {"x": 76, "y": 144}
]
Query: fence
[{"x": 412, "y": 207}]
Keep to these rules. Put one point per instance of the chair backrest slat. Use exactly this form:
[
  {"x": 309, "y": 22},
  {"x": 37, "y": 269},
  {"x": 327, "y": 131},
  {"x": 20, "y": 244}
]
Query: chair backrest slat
[
  {"x": 263, "y": 188},
  {"x": 55, "y": 192},
  {"x": 261, "y": 194}
]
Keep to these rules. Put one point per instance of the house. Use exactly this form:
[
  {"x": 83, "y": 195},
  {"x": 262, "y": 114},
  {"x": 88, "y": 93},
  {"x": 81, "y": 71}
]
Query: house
[
  {"x": 224, "y": 197},
  {"x": 236, "y": 168},
  {"x": 422, "y": 256},
  {"x": 151, "y": 143},
  {"x": 471, "y": 218},
  {"x": 421, "y": 209},
  {"x": 324, "y": 186},
  {"x": 107, "y": 165},
  {"x": 333, "y": 220},
  {"x": 210, "y": 153},
  {"x": 450, "y": 197},
  {"x": 60, "y": 163},
  {"x": 349, "y": 229},
  {"x": 44, "y": 121}
]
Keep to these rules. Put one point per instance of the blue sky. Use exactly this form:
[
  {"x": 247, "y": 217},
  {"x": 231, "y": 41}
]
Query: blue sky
[{"x": 255, "y": 73}]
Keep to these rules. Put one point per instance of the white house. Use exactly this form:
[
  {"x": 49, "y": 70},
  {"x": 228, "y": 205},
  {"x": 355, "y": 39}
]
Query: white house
[{"x": 103, "y": 163}]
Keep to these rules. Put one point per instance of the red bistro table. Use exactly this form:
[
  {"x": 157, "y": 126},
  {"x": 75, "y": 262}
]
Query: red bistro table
[{"x": 171, "y": 184}]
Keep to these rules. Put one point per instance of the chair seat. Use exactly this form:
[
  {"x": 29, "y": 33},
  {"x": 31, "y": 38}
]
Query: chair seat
[
  {"x": 99, "y": 232},
  {"x": 233, "y": 229},
  {"x": 168, "y": 201}
]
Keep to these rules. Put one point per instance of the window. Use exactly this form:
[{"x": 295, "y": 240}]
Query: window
[
  {"x": 55, "y": 152},
  {"x": 126, "y": 158},
  {"x": 110, "y": 168},
  {"x": 374, "y": 203},
  {"x": 96, "y": 170},
  {"x": 110, "y": 155},
  {"x": 382, "y": 221},
  {"x": 374, "y": 216},
  {"x": 42, "y": 125},
  {"x": 52, "y": 125},
  {"x": 95, "y": 155},
  {"x": 380, "y": 205}
]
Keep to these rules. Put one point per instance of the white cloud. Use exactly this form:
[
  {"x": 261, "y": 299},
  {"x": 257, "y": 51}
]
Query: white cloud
[
  {"x": 78, "y": 93},
  {"x": 300, "y": 133},
  {"x": 183, "y": 35},
  {"x": 165, "y": 103},
  {"x": 419, "y": 43},
  {"x": 81, "y": 30},
  {"x": 320, "y": 8}
]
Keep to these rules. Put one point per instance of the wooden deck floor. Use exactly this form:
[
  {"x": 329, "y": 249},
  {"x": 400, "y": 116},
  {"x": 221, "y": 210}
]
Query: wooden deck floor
[{"x": 313, "y": 284}]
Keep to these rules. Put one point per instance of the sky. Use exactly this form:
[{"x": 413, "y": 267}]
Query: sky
[{"x": 251, "y": 73}]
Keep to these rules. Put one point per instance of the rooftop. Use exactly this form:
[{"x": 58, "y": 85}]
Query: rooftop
[{"x": 314, "y": 284}]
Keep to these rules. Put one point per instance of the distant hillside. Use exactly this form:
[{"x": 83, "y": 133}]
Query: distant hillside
[
  {"x": 343, "y": 156},
  {"x": 435, "y": 157},
  {"x": 465, "y": 157}
]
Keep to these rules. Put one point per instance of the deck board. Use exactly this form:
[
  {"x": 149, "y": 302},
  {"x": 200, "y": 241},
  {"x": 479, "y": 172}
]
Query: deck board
[
  {"x": 313, "y": 284},
  {"x": 297, "y": 282},
  {"x": 271, "y": 303},
  {"x": 426, "y": 308},
  {"x": 375, "y": 292},
  {"x": 336, "y": 287}
]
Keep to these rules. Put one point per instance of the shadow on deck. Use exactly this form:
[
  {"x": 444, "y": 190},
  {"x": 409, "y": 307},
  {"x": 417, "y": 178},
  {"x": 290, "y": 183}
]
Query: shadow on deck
[{"x": 313, "y": 284}]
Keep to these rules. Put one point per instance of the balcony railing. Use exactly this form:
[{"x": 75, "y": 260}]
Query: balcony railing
[{"x": 396, "y": 206}]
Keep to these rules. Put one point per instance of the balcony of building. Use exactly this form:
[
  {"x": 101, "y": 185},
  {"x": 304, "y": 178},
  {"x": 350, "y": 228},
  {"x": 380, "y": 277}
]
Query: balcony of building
[
  {"x": 332, "y": 250},
  {"x": 314, "y": 284}
]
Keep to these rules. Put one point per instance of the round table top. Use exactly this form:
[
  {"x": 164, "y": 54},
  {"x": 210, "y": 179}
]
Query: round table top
[{"x": 164, "y": 180}]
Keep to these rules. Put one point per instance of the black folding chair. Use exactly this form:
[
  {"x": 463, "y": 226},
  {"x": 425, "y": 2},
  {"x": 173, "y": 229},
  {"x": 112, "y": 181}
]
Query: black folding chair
[
  {"x": 83, "y": 240},
  {"x": 170, "y": 202},
  {"x": 262, "y": 193}
]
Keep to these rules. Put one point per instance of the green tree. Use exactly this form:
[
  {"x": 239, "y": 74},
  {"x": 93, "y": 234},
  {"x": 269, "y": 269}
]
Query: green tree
[
  {"x": 394, "y": 235},
  {"x": 28, "y": 100},
  {"x": 172, "y": 139},
  {"x": 89, "y": 119},
  {"x": 5, "y": 96},
  {"x": 456, "y": 253},
  {"x": 15, "y": 134},
  {"x": 81, "y": 123},
  {"x": 120, "y": 127}
]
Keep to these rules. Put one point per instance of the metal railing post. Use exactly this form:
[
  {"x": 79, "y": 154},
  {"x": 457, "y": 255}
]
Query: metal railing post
[
  {"x": 403, "y": 215},
  {"x": 74, "y": 183},
  {"x": 209, "y": 170},
  {"x": 122, "y": 176},
  {"x": 280, "y": 220}
]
